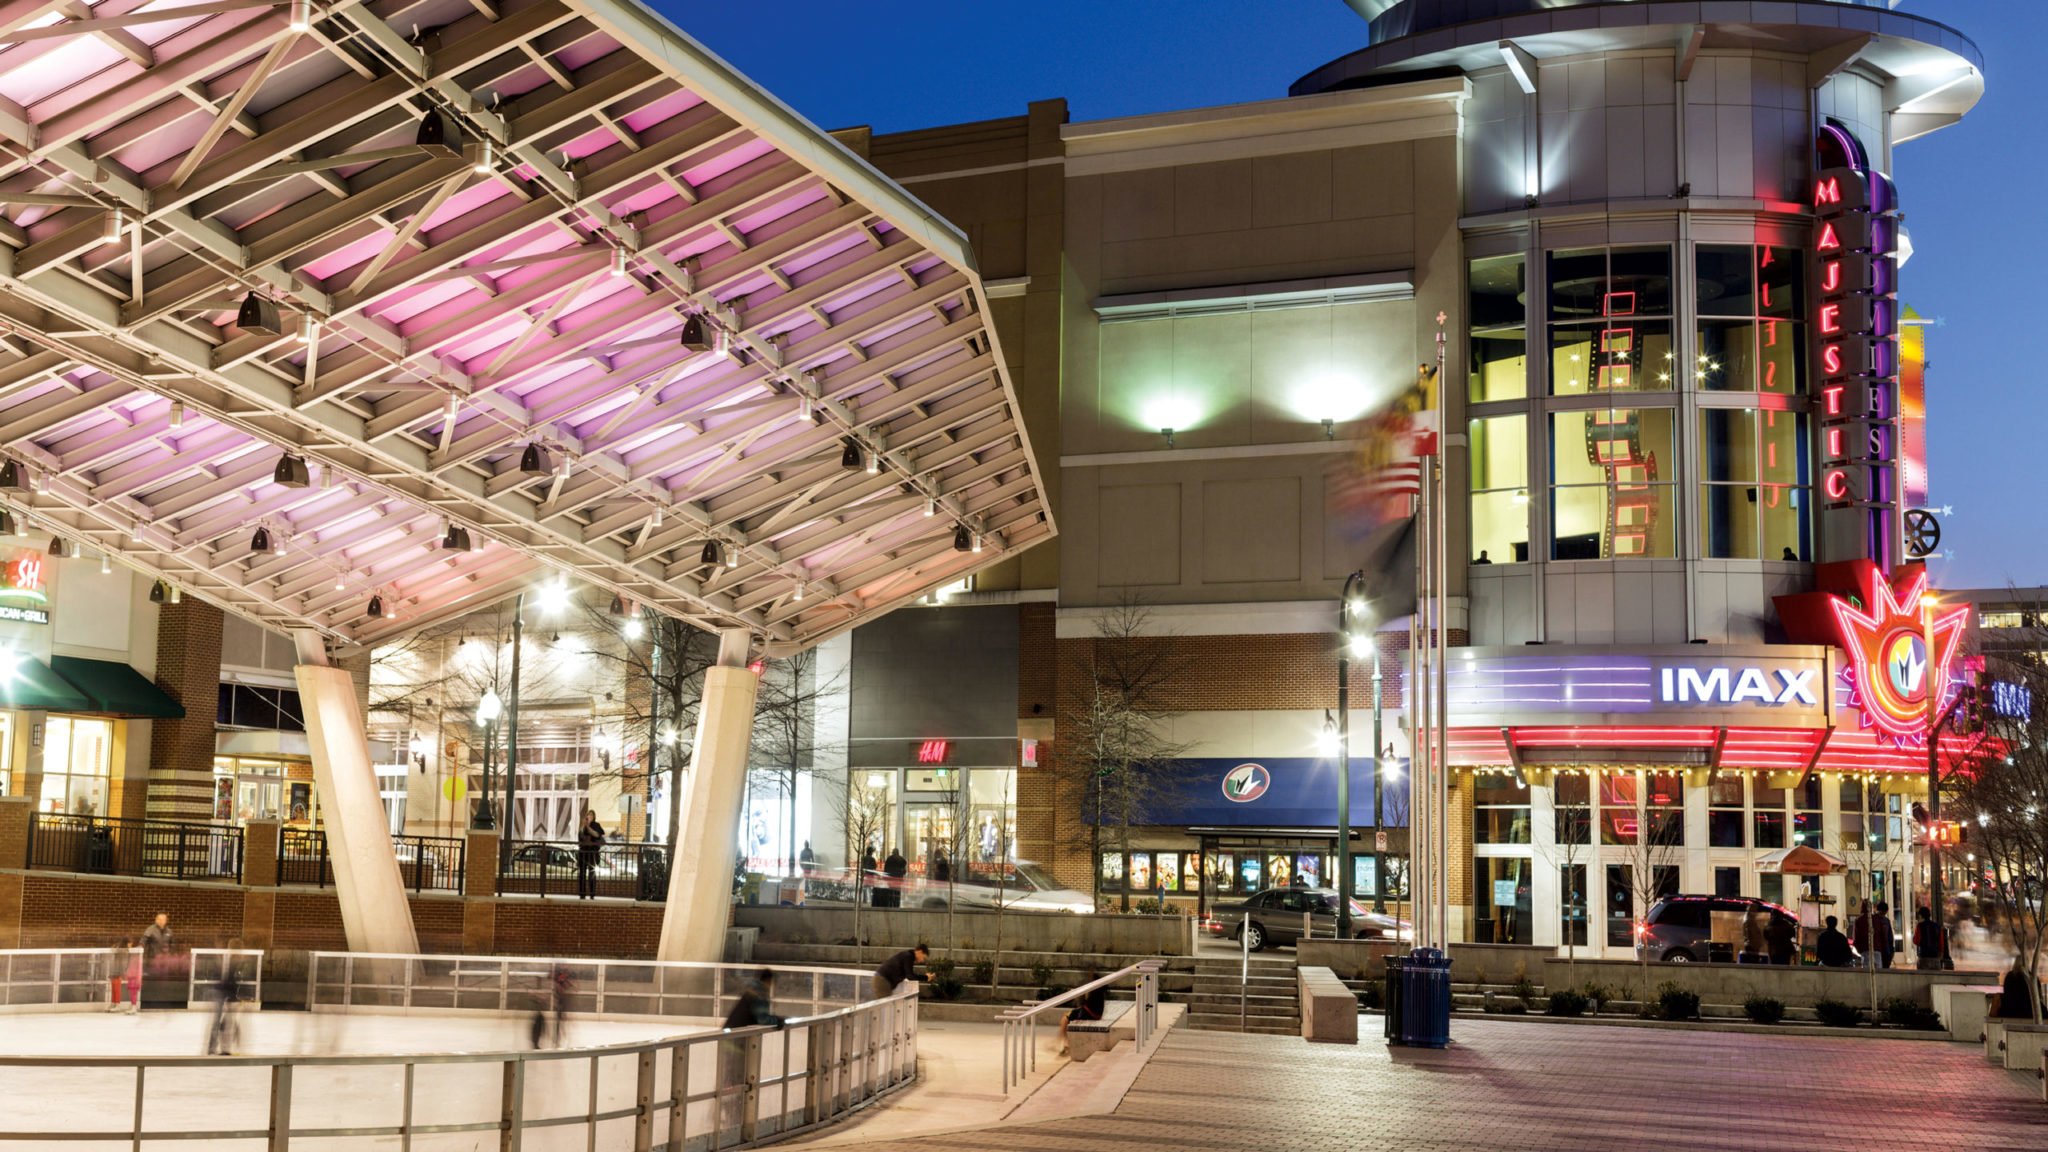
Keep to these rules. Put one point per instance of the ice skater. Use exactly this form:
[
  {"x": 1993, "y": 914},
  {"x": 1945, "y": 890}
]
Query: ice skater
[
  {"x": 124, "y": 977},
  {"x": 549, "y": 1028},
  {"x": 225, "y": 1035}
]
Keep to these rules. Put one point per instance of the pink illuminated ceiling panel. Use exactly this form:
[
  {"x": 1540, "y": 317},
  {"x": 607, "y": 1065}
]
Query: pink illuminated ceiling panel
[{"x": 425, "y": 282}]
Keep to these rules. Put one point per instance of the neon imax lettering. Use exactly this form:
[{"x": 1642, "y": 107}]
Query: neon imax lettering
[{"x": 1738, "y": 686}]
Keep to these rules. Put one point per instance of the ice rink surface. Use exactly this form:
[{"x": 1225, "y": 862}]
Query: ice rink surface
[{"x": 200, "y": 1098}]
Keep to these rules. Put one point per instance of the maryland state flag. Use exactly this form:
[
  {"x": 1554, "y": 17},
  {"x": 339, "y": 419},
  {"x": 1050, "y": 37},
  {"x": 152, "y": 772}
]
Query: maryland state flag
[{"x": 1372, "y": 493}]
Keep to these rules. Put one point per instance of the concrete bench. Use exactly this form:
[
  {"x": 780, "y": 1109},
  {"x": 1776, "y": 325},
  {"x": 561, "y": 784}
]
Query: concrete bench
[
  {"x": 1329, "y": 1010},
  {"x": 1087, "y": 1037},
  {"x": 1963, "y": 1008},
  {"x": 2025, "y": 1045}
]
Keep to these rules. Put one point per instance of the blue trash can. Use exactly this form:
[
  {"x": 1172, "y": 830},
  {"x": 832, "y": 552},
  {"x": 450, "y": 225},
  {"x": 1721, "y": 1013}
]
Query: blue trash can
[{"x": 1426, "y": 995}]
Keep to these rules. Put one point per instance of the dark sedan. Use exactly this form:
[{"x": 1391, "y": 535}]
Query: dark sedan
[{"x": 1274, "y": 918}]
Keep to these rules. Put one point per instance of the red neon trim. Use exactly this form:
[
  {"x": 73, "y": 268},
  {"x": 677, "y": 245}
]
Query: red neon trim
[
  {"x": 1827, "y": 191},
  {"x": 1836, "y": 484},
  {"x": 1828, "y": 241}
]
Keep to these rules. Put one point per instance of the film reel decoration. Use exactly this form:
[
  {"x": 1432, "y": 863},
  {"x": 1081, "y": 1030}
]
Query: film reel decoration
[{"x": 1923, "y": 534}]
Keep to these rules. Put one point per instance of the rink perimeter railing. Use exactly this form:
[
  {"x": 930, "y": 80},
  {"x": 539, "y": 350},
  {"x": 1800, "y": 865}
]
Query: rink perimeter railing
[
  {"x": 692, "y": 1093},
  {"x": 79, "y": 978}
]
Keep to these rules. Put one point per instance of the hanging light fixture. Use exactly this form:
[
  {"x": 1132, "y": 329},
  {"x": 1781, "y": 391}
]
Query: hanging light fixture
[
  {"x": 732, "y": 558},
  {"x": 260, "y": 542},
  {"x": 874, "y": 463},
  {"x": 486, "y": 157},
  {"x": 6, "y": 522},
  {"x": 376, "y": 608},
  {"x": 710, "y": 553},
  {"x": 456, "y": 539},
  {"x": 291, "y": 471},
  {"x": 618, "y": 261},
  {"x": 433, "y": 134},
  {"x": 10, "y": 476},
  {"x": 798, "y": 595},
  {"x": 533, "y": 461},
  {"x": 177, "y": 413},
  {"x": 931, "y": 509},
  {"x": 177, "y": 594},
  {"x": 633, "y": 628},
  {"x": 21, "y": 524},
  {"x": 259, "y": 314},
  {"x": 850, "y": 454},
  {"x": 309, "y": 328},
  {"x": 301, "y": 18},
  {"x": 977, "y": 542},
  {"x": 158, "y": 593},
  {"x": 694, "y": 338},
  {"x": 340, "y": 582},
  {"x": 116, "y": 224},
  {"x": 963, "y": 540},
  {"x": 57, "y": 548},
  {"x": 618, "y": 606},
  {"x": 135, "y": 532},
  {"x": 106, "y": 564}
]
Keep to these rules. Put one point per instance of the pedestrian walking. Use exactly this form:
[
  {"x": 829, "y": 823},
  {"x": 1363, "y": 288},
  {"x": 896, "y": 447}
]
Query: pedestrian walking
[
  {"x": 124, "y": 977},
  {"x": 895, "y": 868},
  {"x": 1862, "y": 934},
  {"x": 1884, "y": 935},
  {"x": 898, "y": 968},
  {"x": 157, "y": 941},
  {"x": 589, "y": 844},
  {"x": 1832, "y": 948},
  {"x": 1930, "y": 944}
]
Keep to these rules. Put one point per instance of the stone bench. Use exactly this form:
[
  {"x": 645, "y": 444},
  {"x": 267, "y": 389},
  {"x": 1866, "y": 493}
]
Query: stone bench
[
  {"x": 2025, "y": 1046},
  {"x": 1087, "y": 1037},
  {"x": 1329, "y": 1009},
  {"x": 1963, "y": 1008}
]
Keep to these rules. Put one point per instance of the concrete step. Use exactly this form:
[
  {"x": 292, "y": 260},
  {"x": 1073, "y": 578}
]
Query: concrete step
[
  {"x": 1251, "y": 1008},
  {"x": 1210, "y": 1023}
]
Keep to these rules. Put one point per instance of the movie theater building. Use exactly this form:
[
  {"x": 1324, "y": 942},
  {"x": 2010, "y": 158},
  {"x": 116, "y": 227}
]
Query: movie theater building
[{"x": 1684, "y": 420}]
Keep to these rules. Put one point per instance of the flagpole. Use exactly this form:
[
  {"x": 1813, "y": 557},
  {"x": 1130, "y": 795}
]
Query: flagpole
[{"x": 1440, "y": 794}]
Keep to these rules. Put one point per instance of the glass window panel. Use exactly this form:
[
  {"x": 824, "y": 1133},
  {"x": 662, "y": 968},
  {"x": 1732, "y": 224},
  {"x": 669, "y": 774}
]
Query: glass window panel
[
  {"x": 1500, "y": 366},
  {"x": 1500, "y": 899},
  {"x": 1571, "y": 889},
  {"x": 1598, "y": 523},
  {"x": 1729, "y": 517},
  {"x": 1781, "y": 364},
  {"x": 1500, "y": 292},
  {"x": 1140, "y": 874},
  {"x": 1578, "y": 284},
  {"x": 1248, "y": 874},
  {"x": 1783, "y": 449},
  {"x": 1279, "y": 870},
  {"x": 1621, "y": 907},
  {"x": 1781, "y": 284},
  {"x": 1664, "y": 808},
  {"x": 1618, "y": 819},
  {"x": 1724, "y": 829},
  {"x": 1728, "y": 444},
  {"x": 1623, "y": 356},
  {"x": 1725, "y": 359},
  {"x": 1500, "y": 452},
  {"x": 1112, "y": 871},
  {"x": 1168, "y": 865},
  {"x": 1645, "y": 275},
  {"x": 1500, "y": 527},
  {"x": 1364, "y": 875},
  {"x": 1724, "y": 279}
]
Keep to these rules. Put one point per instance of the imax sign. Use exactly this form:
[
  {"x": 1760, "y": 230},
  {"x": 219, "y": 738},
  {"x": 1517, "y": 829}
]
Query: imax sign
[{"x": 1738, "y": 686}]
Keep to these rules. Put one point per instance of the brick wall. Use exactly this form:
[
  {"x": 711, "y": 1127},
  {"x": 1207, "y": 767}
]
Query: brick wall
[
  {"x": 64, "y": 911},
  {"x": 181, "y": 751}
]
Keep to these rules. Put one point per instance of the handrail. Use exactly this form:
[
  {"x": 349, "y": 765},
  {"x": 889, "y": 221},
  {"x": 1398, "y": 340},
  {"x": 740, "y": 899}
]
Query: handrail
[
  {"x": 716, "y": 1089},
  {"x": 1020, "y": 1024}
]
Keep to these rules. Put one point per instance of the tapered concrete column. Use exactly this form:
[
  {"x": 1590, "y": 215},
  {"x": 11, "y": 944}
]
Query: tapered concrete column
[
  {"x": 374, "y": 913},
  {"x": 700, "y": 883}
]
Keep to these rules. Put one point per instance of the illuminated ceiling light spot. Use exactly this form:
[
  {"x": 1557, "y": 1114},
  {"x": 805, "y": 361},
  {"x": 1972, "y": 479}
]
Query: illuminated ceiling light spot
[
  {"x": 116, "y": 225},
  {"x": 301, "y": 18},
  {"x": 977, "y": 542},
  {"x": 309, "y": 328},
  {"x": 534, "y": 461},
  {"x": 106, "y": 565},
  {"x": 340, "y": 582},
  {"x": 177, "y": 594},
  {"x": 486, "y": 157},
  {"x": 633, "y": 629},
  {"x": 931, "y": 509},
  {"x": 292, "y": 472},
  {"x": 732, "y": 558},
  {"x": 555, "y": 596},
  {"x": 874, "y": 463},
  {"x": 799, "y": 593},
  {"x": 259, "y": 314}
]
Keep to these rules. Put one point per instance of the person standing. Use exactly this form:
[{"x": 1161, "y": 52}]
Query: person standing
[
  {"x": 589, "y": 843},
  {"x": 895, "y": 868},
  {"x": 157, "y": 942},
  {"x": 223, "y": 1037},
  {"x": 807, "y": 860},
  {"x": 1861, "y": 936},
  {"x": 753, "y": 1006},
  {"x": 1756, "y": 945},
  {"x": 1883, "y": 935},
  {"x": 124, "y": 976},
  {"x": 1782, "y": 937},
  {"x": 898, "y": 968},
  {"x": 1930, "y": 943},
  {"x": 1832, "y": 948},
  {"x": 942, "y": 868}
]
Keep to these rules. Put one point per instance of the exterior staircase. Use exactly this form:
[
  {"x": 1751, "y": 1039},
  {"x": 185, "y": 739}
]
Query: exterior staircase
[{"x": 1271, "y": 1001}]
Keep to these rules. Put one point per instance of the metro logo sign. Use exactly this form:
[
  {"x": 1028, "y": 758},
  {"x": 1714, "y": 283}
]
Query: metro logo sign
[{"x": 1890, "y": 667}]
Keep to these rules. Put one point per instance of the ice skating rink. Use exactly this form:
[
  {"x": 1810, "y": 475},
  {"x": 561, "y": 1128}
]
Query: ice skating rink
[{"x": 184, "y": 1096}]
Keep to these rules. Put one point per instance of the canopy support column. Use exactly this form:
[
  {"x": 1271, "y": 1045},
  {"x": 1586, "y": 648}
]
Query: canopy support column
[{"x": 700, "y": 879}]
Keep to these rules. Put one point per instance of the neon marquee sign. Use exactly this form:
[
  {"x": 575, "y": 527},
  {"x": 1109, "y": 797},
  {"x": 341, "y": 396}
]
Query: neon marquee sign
[
  {"x": 1855, "y": 319},
  {"x": 1890, "y": 669},
  {"x": 21, "y": 579},
  {"x": 1737, "y": 686}
]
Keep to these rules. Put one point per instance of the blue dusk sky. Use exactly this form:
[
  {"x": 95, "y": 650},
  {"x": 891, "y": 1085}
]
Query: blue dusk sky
[{"x": 900, "y": 64}]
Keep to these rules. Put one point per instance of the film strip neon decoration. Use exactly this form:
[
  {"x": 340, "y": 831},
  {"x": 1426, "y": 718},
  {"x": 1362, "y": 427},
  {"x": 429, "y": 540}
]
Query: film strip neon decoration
[{"x": 1614, "y": 438}]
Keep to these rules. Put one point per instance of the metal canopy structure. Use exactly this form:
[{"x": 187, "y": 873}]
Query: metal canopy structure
[{"x": 525, "y": 284}]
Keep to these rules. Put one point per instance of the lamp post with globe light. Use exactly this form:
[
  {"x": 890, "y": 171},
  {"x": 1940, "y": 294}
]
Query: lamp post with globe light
[{"x": 488, "y": 710}]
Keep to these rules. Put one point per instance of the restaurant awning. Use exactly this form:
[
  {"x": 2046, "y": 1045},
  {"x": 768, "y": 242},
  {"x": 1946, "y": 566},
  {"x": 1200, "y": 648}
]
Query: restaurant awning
[
  {"x": 1801, "y": 861},
  {"x": 29, "y": 685},
  {"x": 114, "y": 689}
]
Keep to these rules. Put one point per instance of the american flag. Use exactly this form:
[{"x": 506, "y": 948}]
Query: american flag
[{"x": 1373, "y": 487}]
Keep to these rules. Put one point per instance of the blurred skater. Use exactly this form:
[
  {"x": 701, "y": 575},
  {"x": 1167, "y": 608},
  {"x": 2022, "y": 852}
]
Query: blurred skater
[
  {"x": 549, "y": 1026},
  {"x": 157, "y": 942},
  {"x": 225, "y": 1035},
  {"x": 124, "y": 977}
]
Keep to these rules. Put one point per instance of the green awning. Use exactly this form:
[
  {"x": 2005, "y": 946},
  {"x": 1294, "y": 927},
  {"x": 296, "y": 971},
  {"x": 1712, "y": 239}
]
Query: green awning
[
  {"x": 116, "y": 689},
  {"x": 28, "y": 684}
]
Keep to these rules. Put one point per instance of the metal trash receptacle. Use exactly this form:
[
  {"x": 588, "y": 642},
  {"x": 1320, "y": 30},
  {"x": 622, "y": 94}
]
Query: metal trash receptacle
[
  {"x": 1390, "y": 1000},
  {"x": 1426, "y": 999},
  {"x": 99, "y": 851}
]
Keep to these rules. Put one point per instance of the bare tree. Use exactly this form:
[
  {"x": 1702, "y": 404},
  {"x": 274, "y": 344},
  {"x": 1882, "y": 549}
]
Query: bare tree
[
  {"x": 1570, "y": 848},
  {"x": 786, "y": 746},
  {"x": 1119, "y": 725},
  {"x": 662, "y": 662},
  {"x": 1998, "y": 793},
  {"x": 1660, "y": 829},
  {"x": 863, "y": 816}
]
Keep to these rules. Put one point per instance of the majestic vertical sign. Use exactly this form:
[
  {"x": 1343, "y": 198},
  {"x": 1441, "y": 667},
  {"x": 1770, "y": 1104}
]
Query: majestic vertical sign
[{"x": 1855, "y": 321}]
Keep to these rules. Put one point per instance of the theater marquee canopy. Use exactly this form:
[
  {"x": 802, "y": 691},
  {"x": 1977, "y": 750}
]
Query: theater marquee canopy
[{"x": 549, "y": 273}]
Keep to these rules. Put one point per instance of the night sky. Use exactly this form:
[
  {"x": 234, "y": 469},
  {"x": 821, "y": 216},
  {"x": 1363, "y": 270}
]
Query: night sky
[{"x": 897, "y": 64}]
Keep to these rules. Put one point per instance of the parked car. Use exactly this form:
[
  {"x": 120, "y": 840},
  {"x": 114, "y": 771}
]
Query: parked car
[
  {"x": 1679, "y": 929},
  {"x": 1027, "y": 888},
  {"x": 1273, "y": 917}
]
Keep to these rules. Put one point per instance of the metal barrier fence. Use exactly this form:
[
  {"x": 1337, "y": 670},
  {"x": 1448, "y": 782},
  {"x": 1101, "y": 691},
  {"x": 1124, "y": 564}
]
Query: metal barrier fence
[
  {"x": 1020, "y": 1025},
  {"x": 54, "y": 977},
  {"x": 117, "y": 846},
  {"x": 425, "y": 863},
  {"x": 694, "y": 1093},
  {"x": 209, "y": 965},
  {"x": 561, "y": 868}
]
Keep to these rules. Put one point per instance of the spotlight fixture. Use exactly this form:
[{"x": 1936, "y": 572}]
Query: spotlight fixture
[
  {"x": 456, "y": 539},
  {"x": 484, "y": 157},
  {"x": 135, "y": 532},
  {"x": 633, "y": 629},
  {"x": 10, "y": 476},
  {"x": 340, "y": 582},
  {"x": 291, "y": 471},
  {"x": 850, "y": 454},
  {"x": 309, "y": 328},
  {"x": 106, "y": 565},
  {"x": 931, "y": 509},
  {"x": 732, "y": 558},
  {"x": 177, "y": 594},
  {"x": 798, "y": 594},
  {"x": 116, "y": 224},
  {"x": 874, "y": 463},
  {"x": 977, "y": 542},
  {"x": 58, "y": 550},
  {"x": 657, "y": 515},
  {"x": 6, "y": 522},
  {"x": 434, "y": 135},
  {"x": 710, "y": 553},
  {"x": 158, "y": 593},
  {"x": 963, "y": 540},
  {"x": 1329, "y": 428},
  {"x": 301, "y": 18},
  {"x": 376, "y": 608},
  {"x": 533, "y": 461},
  {"x": 618, "y": 261},
  {"x": 260, "y": 542},
  {"x": 259, "y": 314},
  {"x": 21, "y": 524},
  {"x": 694, "y": 337},
  {"x": 177, "y": 413},
  {"x": 1530, "y": 201},
  {"x": 1168, "y": 433},
  {"x": 804, "y": 407},
  {"x": 618, "y": 607}
]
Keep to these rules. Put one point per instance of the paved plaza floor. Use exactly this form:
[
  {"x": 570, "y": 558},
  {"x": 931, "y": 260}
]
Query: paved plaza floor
[{"x": 1530, "y": 1085}]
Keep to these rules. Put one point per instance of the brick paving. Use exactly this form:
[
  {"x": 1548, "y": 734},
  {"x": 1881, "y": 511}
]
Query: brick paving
[{"x": 1549, "y": 1086}]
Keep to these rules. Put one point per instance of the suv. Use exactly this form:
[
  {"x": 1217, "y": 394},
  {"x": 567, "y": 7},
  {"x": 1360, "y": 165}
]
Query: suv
[{"x": 1679, "y": 929}]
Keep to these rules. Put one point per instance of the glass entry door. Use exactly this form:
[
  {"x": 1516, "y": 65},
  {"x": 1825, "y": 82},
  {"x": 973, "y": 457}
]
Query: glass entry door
[{"x": 930, "y": 829}]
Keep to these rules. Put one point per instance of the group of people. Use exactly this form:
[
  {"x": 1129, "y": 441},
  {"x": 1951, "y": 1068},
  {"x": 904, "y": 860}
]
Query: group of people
[
  {"x": 1871, "y": 942},
  {"x": 895, "y": 868}
]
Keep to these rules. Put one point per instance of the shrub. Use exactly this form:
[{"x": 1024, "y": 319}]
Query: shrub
[
  {"x": 1598, "y": 994},
  {"x": 947, "y": 987},
  {"x": 1152, "y": 906},
  {"x": 1836, "y": 1014},
  {"x": 1566, "y": 1003},
  {"x": 1041, "y": 974},
  {"x": 940, "y": 967},
  {"x": 1905, "y": 1013},
  {"x": 1675, "y": 1003},
  {"x": 984, "y": 972},
  {"x": 1495, "y": 1006},
  {"x": 1764, "y": 1009},
  {"x": 1523, "y": 988}
]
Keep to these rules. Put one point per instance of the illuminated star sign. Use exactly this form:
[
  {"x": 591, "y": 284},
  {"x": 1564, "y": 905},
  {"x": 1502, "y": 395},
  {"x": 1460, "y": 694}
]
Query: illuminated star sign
[{"x": 1888, "y": 659}]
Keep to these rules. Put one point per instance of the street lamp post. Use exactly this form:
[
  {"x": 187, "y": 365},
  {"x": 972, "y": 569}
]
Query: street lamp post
[
  {"x": 487, "y": 711},
  {"x": 512, "y": 739},
  {"x": 1379, "y": 776},
  {"x": 1346, "y": 644}
]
